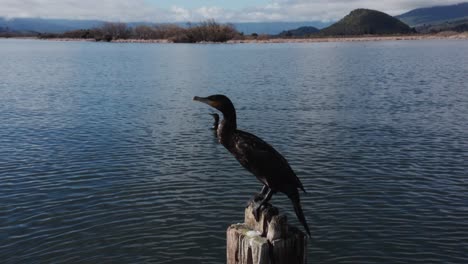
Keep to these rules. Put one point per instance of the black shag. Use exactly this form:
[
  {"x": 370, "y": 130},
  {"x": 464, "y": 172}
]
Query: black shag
[
  {"x": 258, "y": 157},
  {"x": 216, "y": 121}
]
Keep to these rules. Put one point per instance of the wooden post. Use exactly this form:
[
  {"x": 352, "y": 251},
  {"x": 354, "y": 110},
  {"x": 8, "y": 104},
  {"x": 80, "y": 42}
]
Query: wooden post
[{"x": 269, "y": 241}]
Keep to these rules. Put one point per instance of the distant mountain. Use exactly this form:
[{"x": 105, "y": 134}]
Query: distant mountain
[
  {"x": 366, "y": 21},
  {"x": 46, "y": 25},
  {"x": 274, "y": 28},
  {"x": 435, "y": 15},
  {"x": 41, "y": 25},
  {"x": 299, "y": 32},
  {"x": 455, "y": 25}
]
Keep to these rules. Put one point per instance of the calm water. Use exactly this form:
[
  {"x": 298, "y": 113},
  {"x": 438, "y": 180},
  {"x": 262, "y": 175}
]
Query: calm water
[{"x": 104, "y": 158}]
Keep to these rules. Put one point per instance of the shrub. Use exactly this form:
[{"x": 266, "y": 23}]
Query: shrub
[{"x": 207, "y": 31}]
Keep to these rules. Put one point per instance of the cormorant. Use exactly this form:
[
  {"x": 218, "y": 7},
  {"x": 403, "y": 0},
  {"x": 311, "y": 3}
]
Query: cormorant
[
  {"x": 216, "y": 121},
  {"x": 258, "y": 157}
]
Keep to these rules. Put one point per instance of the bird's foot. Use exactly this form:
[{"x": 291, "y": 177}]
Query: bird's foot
[
  {"x": 256, "y": 211},
  {"x": 256, "y": 198}
]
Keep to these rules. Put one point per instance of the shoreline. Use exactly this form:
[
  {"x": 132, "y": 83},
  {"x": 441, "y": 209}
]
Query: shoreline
[
  {"x": 438, "y": 36},
  {"x": 456, "y": 36}
]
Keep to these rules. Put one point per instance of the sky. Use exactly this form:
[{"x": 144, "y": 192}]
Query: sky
[{"x": 198, "y": 10}]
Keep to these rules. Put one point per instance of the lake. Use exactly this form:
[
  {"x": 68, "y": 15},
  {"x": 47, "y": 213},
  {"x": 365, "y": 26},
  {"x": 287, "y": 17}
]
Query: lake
[{"x": 105, "y": 158}]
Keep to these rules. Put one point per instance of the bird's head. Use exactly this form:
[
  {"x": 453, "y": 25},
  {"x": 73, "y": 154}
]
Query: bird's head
[{"x": 218, "y": 101}]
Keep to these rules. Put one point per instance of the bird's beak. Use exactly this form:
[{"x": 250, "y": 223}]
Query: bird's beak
[
  {"x": 206, "y": 101},
  {"x": 201, "y": 99}
]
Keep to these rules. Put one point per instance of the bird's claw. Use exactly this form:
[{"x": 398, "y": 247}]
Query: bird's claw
[
  {"x": 256, "y": 211},
  {"x": 256, "y": 198}
]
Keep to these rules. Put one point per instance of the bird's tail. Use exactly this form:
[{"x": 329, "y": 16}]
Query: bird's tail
[{"x": 296, "y": 201}]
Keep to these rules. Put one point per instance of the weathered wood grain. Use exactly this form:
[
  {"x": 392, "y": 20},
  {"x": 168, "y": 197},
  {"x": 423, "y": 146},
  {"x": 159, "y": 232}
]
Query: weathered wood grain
[{"x": 269, "y": 241}]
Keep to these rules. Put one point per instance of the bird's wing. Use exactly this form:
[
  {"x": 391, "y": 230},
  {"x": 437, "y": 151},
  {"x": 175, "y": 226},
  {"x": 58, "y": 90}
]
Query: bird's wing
[{"x": 264, "y": 161}]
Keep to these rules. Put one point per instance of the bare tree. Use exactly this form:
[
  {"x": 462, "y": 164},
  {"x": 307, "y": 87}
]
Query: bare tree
[
  {"x": 208, "y": 30},
  {"x": 112, "y": 31},
  {"x": 145, "y": 32}
]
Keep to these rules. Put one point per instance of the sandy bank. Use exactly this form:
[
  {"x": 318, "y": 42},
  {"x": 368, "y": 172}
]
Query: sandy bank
[
  {"x": 442, "y": 35},
  {"x": 360, "y": 38}
]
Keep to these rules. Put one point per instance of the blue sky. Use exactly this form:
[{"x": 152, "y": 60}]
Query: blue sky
[
  {"x": 192, "y": 4},
  {"x": 198, "y": 10}
]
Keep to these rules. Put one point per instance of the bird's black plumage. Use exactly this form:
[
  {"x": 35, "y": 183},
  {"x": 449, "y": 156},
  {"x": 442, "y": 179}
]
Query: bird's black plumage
[{"x": 258, "y": 157}]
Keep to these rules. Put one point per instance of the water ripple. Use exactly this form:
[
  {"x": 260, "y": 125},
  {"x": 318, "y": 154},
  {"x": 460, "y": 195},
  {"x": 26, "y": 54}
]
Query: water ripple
[{"x": 109, "y": 161}]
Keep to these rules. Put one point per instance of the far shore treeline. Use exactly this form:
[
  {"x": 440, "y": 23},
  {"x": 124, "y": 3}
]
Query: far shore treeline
[
  {"x": 359, "y": 22},
  {"x": 207, "y": 31}
]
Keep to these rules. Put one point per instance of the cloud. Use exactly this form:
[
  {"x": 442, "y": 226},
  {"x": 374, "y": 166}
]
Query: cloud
[
  {"x": 115, "y": 10},
  {"x": 142, "y": 10}
]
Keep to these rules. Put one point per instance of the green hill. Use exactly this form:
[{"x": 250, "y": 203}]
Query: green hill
[
  {"x": 435, "y": 15},
  {"x": 299, "y": 32},
  {"x": 366, "y": 22}
]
